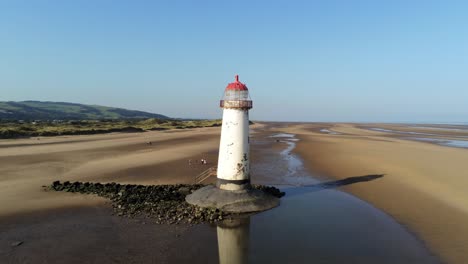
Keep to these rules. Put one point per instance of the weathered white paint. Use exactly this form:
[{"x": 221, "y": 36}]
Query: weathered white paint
[{"x": 234, "y": 152}]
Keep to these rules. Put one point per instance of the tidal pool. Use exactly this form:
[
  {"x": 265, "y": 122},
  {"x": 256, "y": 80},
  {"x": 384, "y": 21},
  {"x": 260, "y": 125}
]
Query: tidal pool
[
  {"x": 412, "y": 132},
  {"x": 327, "y": 131},
  {"x": 443, "y": 142}
]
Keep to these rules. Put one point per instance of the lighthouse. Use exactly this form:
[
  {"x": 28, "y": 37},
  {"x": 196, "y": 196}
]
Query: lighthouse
[
  {"x": 233, "y": 192},
  {"x": 233, "y": 171}
]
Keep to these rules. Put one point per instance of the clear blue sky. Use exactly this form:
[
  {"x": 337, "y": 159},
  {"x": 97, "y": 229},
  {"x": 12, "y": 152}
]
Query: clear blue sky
[{"x": 390, "y": 61}]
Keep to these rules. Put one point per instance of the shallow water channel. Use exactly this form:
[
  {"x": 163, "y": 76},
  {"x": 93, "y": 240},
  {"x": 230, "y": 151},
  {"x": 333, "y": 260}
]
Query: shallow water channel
[
  {"x": 315, "y": 223},
  {"x": 443, "y": 142}
]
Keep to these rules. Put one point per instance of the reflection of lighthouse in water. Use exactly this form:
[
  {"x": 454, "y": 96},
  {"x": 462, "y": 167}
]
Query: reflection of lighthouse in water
[{"x": 233, "y": 241}]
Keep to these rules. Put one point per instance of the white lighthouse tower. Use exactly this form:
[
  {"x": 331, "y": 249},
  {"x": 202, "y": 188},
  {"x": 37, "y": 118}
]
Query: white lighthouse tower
[
  {"x": 234, "y": 151},
  {"x": 233, "y": 192}
]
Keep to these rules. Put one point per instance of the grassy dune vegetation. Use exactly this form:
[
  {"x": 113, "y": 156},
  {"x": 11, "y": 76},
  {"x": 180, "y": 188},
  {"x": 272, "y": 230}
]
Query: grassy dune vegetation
[
  {"x": 16, "y": 129},
  {"x": 37, "y": 110}
]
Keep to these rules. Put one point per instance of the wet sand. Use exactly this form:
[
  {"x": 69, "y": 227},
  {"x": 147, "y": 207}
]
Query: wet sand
[
  {"x": 91, "y": 234},
  {"x": 424, "y": 183},
  {"x": 58, "y": 227}
]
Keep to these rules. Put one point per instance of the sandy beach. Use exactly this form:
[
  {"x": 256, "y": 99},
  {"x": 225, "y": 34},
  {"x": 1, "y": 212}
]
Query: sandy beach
[
  {"x": 423, "y": 185},
  {"x": 28, "y": 164},
  {"x": 58, "y": 227}
]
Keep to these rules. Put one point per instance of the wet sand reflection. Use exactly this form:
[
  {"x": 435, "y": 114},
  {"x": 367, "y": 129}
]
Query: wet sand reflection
[{"x": 233, "y": 240}]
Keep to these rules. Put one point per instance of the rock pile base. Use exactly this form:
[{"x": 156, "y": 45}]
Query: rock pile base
[{"x": 164, "y": 203}]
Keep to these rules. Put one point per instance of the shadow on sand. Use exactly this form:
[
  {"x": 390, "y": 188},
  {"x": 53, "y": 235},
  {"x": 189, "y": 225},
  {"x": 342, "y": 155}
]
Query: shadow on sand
[
  {"x": 346, "y": 181},
  {"x": 332, "y": 184}
]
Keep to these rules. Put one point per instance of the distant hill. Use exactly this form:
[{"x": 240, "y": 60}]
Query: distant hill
[{"x": 37, "y": 110}]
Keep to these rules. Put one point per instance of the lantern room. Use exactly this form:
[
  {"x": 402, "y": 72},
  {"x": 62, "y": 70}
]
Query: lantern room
[{"x": 236, "y": 95}]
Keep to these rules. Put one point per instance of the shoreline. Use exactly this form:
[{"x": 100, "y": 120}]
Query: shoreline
[{"x": 431, "y": 210}]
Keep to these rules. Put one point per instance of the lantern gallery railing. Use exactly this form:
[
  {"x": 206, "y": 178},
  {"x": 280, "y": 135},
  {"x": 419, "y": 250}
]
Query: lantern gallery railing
[{"x": 247, "y": 104}]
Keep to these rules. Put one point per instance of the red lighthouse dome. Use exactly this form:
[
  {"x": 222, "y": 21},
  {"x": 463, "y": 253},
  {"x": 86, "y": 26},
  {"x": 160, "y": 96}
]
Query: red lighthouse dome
[{"x": 237, "y": 86}]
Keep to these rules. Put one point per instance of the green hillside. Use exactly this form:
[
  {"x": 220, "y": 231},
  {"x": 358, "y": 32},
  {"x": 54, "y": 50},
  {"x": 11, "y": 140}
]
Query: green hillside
[{"x": 37, "y": 110}]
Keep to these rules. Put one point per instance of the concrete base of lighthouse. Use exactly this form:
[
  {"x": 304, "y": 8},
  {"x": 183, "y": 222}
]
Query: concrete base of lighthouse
[{"x": 242, "y": 201}]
